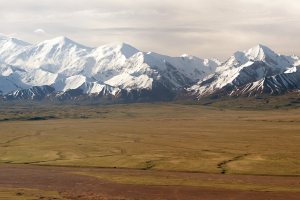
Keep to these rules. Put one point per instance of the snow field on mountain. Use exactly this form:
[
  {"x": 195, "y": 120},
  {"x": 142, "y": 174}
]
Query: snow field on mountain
[
  {"x": 252, "y": 65},
  {"x": 64, "y": 64}
]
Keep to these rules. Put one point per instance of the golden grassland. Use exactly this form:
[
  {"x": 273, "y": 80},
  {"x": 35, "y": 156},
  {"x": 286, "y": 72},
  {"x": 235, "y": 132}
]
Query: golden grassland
[
  {"x": 163, "y": 136},
  {"x": 254, "y": 139},
  {"x": 179, "y": 180},
  {"x": 157, "y": 136},
  {"x": 7, "y": 193}
]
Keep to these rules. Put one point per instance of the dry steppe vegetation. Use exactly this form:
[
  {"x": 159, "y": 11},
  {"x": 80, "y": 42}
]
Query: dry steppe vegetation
[{"x": 158, "y": 137}]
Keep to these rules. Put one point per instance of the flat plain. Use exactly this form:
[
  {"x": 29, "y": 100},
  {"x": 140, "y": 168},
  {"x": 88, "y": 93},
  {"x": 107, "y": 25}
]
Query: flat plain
[{"x": 158, "y": 144}]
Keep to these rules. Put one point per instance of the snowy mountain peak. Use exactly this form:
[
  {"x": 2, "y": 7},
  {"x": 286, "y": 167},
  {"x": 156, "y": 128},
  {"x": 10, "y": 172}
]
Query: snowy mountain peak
[
  {"x": 65, "y": 65},
  {"x": 260, "y": 46},
  {"x": 216, "y": 61},
  {"x": 126, "y": 49},
  {"x": 18, "y": 42},
  {"x": 12, "y": 41},
  {"x": 63, "y": 41},
  {"x": 115, "y": 48},
  {"x": 257, "y": 53},
  {"x": 243, "y": 67},
  {"x": 2, "y": 37},
  {"x": 118, "y": 46},
  {"x": 186, "y": 56},
  {"x": 295, "y": 57}
]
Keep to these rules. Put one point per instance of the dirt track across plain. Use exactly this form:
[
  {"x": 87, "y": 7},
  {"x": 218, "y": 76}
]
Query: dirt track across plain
[{"x": 74, "y": 186}]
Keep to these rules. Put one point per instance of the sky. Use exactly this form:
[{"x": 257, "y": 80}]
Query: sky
[{"x": 202, "y": 28}]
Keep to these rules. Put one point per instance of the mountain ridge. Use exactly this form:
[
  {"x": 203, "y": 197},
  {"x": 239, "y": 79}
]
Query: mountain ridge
[
  {"x": 65, "y": 65},
  {"x": 61, "y": 68},
  {"x": 242, "y": 68}
]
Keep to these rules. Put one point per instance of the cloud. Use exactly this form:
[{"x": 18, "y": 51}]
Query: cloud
[
  {"x": 204, "y": 28},
  {"x": 39, "y": 31}
]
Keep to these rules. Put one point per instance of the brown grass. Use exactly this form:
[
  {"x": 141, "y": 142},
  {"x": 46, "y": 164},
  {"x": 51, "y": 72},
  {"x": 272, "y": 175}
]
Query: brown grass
[{"x": 159, "y": 137}]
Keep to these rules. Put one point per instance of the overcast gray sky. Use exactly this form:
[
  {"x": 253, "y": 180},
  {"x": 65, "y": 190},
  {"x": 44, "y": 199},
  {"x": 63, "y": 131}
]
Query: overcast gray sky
[{"x": 203, "y": 28}]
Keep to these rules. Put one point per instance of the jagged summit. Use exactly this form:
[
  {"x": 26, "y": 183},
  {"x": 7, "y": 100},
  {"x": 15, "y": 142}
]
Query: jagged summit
[
  {"x": 260, "y": 53},
  {"x": 64, "y": 68},
  {"x": 252, "y": 65},
  {"x": 257, "y": 53},
  {"x": 60, "y": 39},
  {"x": 261, "y": 47},
  {"x": 13, "y": 40},
  {"x": 19, "y": 42},
  {"x": 8, "y": 41},
  {"x": 63, "y": 41},
  {"x": 64, "y": 65},
  {"x": 126, "y": 49},
  {"x": 258, "y": 50}
]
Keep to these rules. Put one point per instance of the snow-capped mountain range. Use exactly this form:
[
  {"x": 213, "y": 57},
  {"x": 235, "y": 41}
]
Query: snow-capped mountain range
[
  {"x": 62, "y": 68},
  {"x": 255, "y": 71},
  {"x": 59, "y": 65}
]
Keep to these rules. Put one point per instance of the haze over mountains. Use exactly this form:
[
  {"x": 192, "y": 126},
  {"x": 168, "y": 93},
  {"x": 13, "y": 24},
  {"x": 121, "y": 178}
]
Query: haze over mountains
[{"x": 63, "y": 69}]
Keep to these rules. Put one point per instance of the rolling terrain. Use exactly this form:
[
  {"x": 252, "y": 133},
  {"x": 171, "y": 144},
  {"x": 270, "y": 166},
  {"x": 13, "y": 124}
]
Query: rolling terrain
[
  {"x": 67, "y": 132},
  {"x": 190, "y": 145}
]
